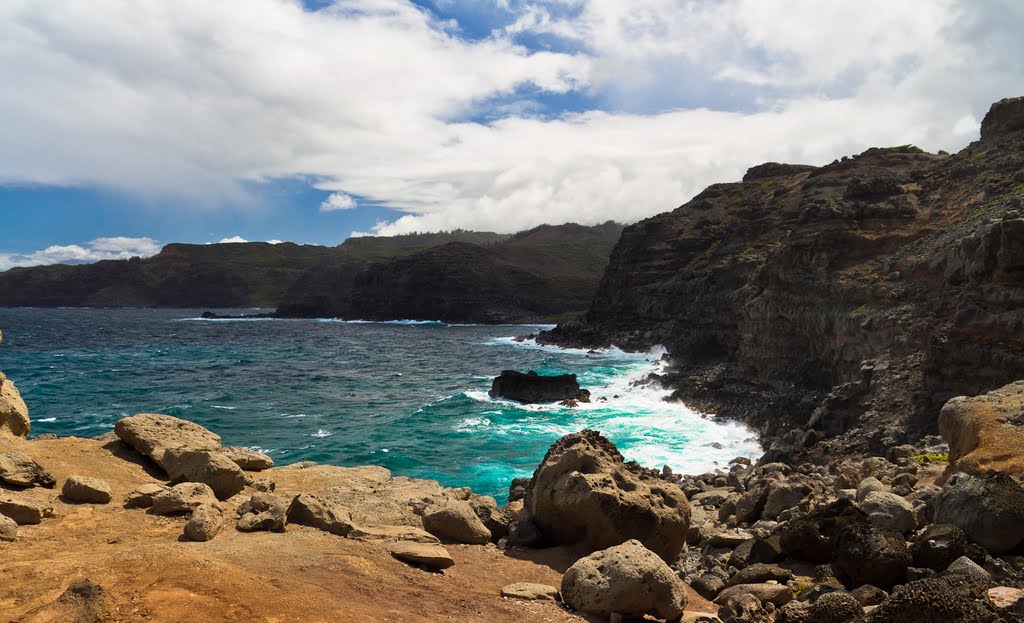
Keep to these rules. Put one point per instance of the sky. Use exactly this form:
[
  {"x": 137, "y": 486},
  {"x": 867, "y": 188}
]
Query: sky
[{"x": 127, "y": 125}]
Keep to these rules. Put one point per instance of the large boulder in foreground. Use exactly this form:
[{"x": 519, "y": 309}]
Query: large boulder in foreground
[
  {"x": 532, "y": 387},
  {"x": 988, "y": 507},
  {"x": 627, "y": 579},
  {"x": 583, "y": 490},
  {"x": 153, "y": 434},
  {"x": 985, "y": 432},
  {"x": 14, "y": 420}
]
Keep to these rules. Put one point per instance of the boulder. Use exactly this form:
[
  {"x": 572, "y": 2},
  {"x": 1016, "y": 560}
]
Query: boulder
[
  {"x": 867, "y": 554},
  {"x": 767, "y": 592},
  {"x": 208, "y": 467},
  {"x": 14, "y": 420},
  {"x": 869, "y": 485},
  {"x": 985, "y": 432},
  {"x": 868, "y": 595},
  {"x": 584, "y": 491},
  {"x": 530, "y": 591},
  {"x": 429, "y": 555},
  {"x": 760, "y": 573},
  {"x": 766, "y": 550},
  {"x": 937, "y": 546},
  {"x": 783, "y": 496},
  {"x": 248, "y": 460},
  {"x": 264, "y": 511},
  {"x": 523, "y": 533},
  {"x": 182, "y": 498},
  {"x": 989, "y": 508},
  {"x": 936, "y": 600},
  {"x": 204, "y": 524},
  {"x": 708, "y": 585},
  {"x": 143, "y": 495},
  {"x": 627, "y": 579},
  {"x": 22, "y": 511},
  {"x": 455, "y": 521},
  {"x": 20, "y": 470},
  {"x": 1007, "y": 599},
  {"x": 86, "y": 490},
  {"x": 966, "y": 566},
  {"x": 8, "y": 529},
  {"x": 323, "y": 514},
  {"x": 835, "y": 607},
  {"x": 888, "y": 510},
  {"x": 393, "y": 533},
  {"x": 812, "y": 536},
  {"x": 153, "y": 434},
  {"x": 747, "y": 608},
  {"x": 532, "y": 387}
]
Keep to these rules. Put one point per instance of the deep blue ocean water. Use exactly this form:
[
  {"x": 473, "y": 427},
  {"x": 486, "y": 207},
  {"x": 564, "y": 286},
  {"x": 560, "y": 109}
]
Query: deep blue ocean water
[{"x": 409, "y": 396}]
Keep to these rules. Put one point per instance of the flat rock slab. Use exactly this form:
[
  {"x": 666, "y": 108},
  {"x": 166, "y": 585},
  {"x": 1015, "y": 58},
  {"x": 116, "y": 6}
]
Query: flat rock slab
[
  {"x": 24, "y": 512},
  {"x": 531, "y": 591},
  {"x": 249, "y": 460},
  {"x": 86, "y": 490},
  {"x": 423, "y": 554},
  {"x": 393, "y": 533},
  {"x": 153, "y": 434}
]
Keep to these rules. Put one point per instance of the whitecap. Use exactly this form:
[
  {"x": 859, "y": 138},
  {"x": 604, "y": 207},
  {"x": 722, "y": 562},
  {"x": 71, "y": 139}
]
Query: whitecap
[
  {"x": 223, "y": 407},
  {"x": 47, "y": 419},
  {"x": 321, "y": 433}
]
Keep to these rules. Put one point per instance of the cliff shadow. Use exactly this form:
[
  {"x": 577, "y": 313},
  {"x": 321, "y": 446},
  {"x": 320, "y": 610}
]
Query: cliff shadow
[
  {"x": 125, "y": 452},
  {"x": 558, "y": 558}
]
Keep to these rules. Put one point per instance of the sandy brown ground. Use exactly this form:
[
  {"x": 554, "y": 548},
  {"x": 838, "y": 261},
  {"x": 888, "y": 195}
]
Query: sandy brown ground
[{"x": 304, "y": 575}]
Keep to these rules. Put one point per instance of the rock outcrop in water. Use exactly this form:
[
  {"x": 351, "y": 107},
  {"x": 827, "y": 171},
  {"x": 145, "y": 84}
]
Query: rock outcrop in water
[
  {"x": 532, "y": 387},
  {"x": 849, "y": 300},
  {"x": 14, "y": 420}
]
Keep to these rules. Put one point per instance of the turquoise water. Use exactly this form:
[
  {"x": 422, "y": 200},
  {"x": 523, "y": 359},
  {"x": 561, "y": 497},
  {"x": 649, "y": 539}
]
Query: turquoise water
[{"x": 409, "y": 396}]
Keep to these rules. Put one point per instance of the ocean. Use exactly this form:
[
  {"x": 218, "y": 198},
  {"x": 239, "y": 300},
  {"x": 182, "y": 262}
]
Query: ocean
[{"x": 410, "y": 396}]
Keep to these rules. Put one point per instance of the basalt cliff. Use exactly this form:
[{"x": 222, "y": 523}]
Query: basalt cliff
[{"x": 836, "y": 308}]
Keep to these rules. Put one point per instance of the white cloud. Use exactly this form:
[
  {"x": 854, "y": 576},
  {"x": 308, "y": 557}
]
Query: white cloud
[
  {"x": 232, "y": 240},
  {"x": 275, "y": 241},
  {"x": 117, "y": 248},
  {"x": 337, "y": 201},
  {"x": 193, "y": 98}
]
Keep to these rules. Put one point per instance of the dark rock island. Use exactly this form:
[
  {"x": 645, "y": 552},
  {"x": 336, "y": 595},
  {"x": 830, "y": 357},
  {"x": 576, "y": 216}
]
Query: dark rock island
[{"x": 532, "y": 387}]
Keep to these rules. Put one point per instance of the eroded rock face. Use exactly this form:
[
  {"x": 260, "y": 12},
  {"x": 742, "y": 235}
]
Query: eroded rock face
[
  {"x": 153, "y": 434},
  {"x": 14, "y": 420},
  {"x": 23, "y": 511},
  {"x": 20, "y": 470},
  {"x": 936, "y": 600},
  {"x": 627, "y": 579},
  {"x": 317, "y": 512},
  {"x": 1003, "y": 117},
  {"x": 584, "y": 491},
  {"x": 204, "y": 524},
  {"x": 532, "y": 387},
  {"x": 264, "y": 511},
  {"x": 989, "y": 508},
  {"x": 985, "y": 432}
]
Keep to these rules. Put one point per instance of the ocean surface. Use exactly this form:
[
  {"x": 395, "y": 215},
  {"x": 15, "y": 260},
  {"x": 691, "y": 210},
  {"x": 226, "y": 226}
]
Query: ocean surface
[{"x": 411, "y": 396}]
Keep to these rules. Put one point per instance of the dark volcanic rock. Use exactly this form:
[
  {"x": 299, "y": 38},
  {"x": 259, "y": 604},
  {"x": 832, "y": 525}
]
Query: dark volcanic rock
[
  {"x": 532, "y": 387},
  {"x": 812, "y": 537},
  {"x": 937, "y": 600},
  {"x": 866, "y": 554},
  {"x": 854, "y": 299}
]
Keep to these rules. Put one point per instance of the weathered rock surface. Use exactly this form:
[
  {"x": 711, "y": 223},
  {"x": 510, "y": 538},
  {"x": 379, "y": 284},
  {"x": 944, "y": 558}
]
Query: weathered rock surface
[
  {"x": 989, "y": 508},
  {"x": 143, "y": 495},
  {"x": 985, "y": 432},
  {"x": 812, "y": 536},
  {"x": 211, "y": 468},
  {"x": 530, "y": 591},
  {"x": 835, "y": 608},
  {"x": 532, "y": 387},
  {"x": 766, "y": 592},
  {"x": 867, "y": 554},
  {"x": 20, "y": 470},
  {"x": 584, "y": 491},
  {"x": 937, "y": 546},
  {"x": 182, "y": 498},
  {"x": 936, "y": 600},
  {"x": 455, "y": 520},
  {"x": 264, "y": 512},
  {"x": 429, "y": 555},
  {"x": 316, "y": 512},
  {"x": 628, "y": 579},
  {"x": 14, "y": 421},
  {"x": 248, "y": 460},
  {"x": 86, "y": 490},
  {"x": 888, "y": 510},
  {"x": 204, "y": 524},
  {"x": 8, "y": 529},
  {"x": 153, "y": 434},
  {"x": 24, "y": 511}
]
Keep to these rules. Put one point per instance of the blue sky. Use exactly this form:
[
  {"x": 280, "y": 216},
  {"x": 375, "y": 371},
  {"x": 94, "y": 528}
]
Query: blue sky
[{"x": 131, "y": 125}]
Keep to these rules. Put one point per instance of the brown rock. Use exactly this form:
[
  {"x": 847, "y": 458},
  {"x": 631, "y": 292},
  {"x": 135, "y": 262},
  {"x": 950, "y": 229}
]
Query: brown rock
[
  {"x": 86, "y": 490},
  {"x": 427, "y": 555},
  {"x": 628, "y": 579},
  {"x": 985, "y": 432},
  {"x": 182, "y": 498},
  {"x": 23, "y": 511},
  {"x": 249, "y": 460},
  {"x": 14, "y": 420},
  {"x": 143, "y": 495},
  {"x": 776, "y": 594},
  {"x": 530, "y": 591},
  {"x": 320, "y": 513},
  {"x": 20, "y": 470},
  {"x": 264, "y": 511},
  {"x": 205, "y": 466},
  {"x": 204, "y": 524},
  {"x": 456, "y": 521},
  {"x": 8, "y": 529},
  {"x": 584, "y": 491},
  {"x": 152, "y": 434},
  {"x": 393, "y": 533}
]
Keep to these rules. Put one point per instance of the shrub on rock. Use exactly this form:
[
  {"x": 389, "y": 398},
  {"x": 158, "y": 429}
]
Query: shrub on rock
[
  {"x": 584, "y": 491},
  {"x": 628, "y": 579}
]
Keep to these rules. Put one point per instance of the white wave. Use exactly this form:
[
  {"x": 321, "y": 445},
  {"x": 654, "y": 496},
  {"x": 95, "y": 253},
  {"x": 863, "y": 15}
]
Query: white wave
[
  {"x": 394, "y": 322},
  {"x": 321, "y": 433},
  {"x": 471, "y": 424},
  {"x": 236, "y": 319},
  {"x": 47, "y": 419},
  {"x": 223, "y": 407}
]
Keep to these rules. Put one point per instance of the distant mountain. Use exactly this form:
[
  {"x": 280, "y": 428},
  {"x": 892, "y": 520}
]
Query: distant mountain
[
  {"x": 540, "y": 274},
  {"x": 459, "y": 276}
]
